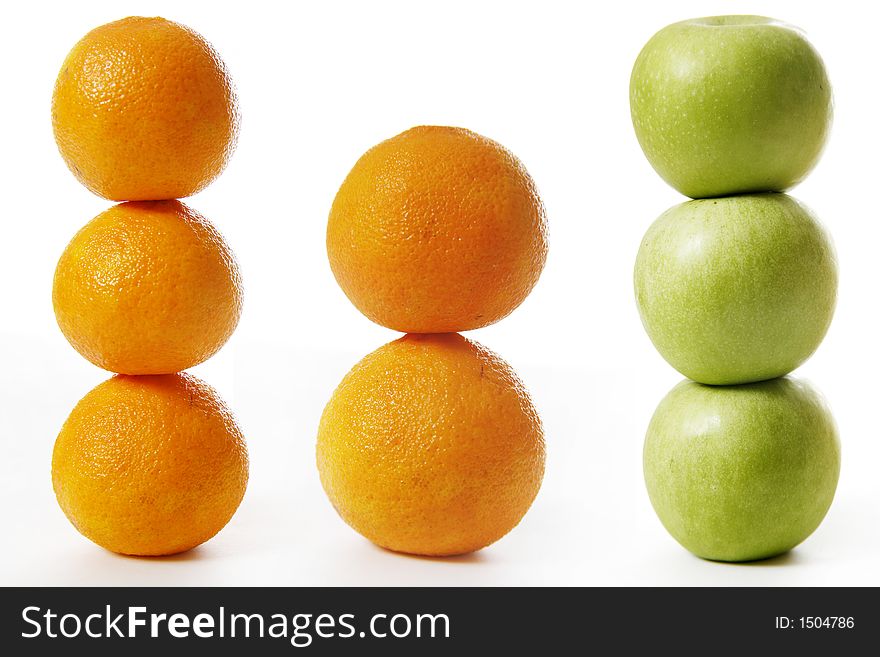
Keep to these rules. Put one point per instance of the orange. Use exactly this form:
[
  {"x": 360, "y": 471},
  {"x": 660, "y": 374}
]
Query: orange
[
  {"x": 431, "y": 446},
  {"x": 144, "y": 109},
  {"x": 147, "y": 288},
  {"x": 437, "y": 230},
  {"x": 150, "y": 465}
]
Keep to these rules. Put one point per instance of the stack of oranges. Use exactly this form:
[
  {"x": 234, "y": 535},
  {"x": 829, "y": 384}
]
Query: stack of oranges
[
  {"x": 151, "y": 461},
  {"x": 431, "y": 444}
]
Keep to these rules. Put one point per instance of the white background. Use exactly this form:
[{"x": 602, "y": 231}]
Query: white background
[{"x": 319, "y": 85}]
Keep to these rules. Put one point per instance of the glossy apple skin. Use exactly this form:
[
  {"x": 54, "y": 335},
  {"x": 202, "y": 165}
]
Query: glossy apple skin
[
  {"x": 736, "y": 289},
  {"x": 741, "y": 473},
  {"x": 730, "y": 104}
]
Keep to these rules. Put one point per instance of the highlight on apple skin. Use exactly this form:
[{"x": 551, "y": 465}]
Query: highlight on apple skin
[
  {"x": 736, "y": 289},
  {"x": 730, "y": 105},
  {"x": 741, "y": 473}
]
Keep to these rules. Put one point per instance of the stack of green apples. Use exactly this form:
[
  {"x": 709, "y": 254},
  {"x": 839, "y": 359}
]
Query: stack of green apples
[{"x": 737, "y": 287}]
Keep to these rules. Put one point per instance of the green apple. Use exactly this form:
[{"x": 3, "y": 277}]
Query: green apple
[
  {"x": 736, "y": 289},
  {"x": 741, "y": 473},
  {"x": 730, "y": 104}
]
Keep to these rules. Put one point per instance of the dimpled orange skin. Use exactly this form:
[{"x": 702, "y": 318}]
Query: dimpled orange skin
[
  {"x": 431, "y": 446},
  {"x": 147, "y": 288},
  {"x": 144, "y": 109},
  {"x": 437, "y": 230},
  {"x": 150, "y": 465}
]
